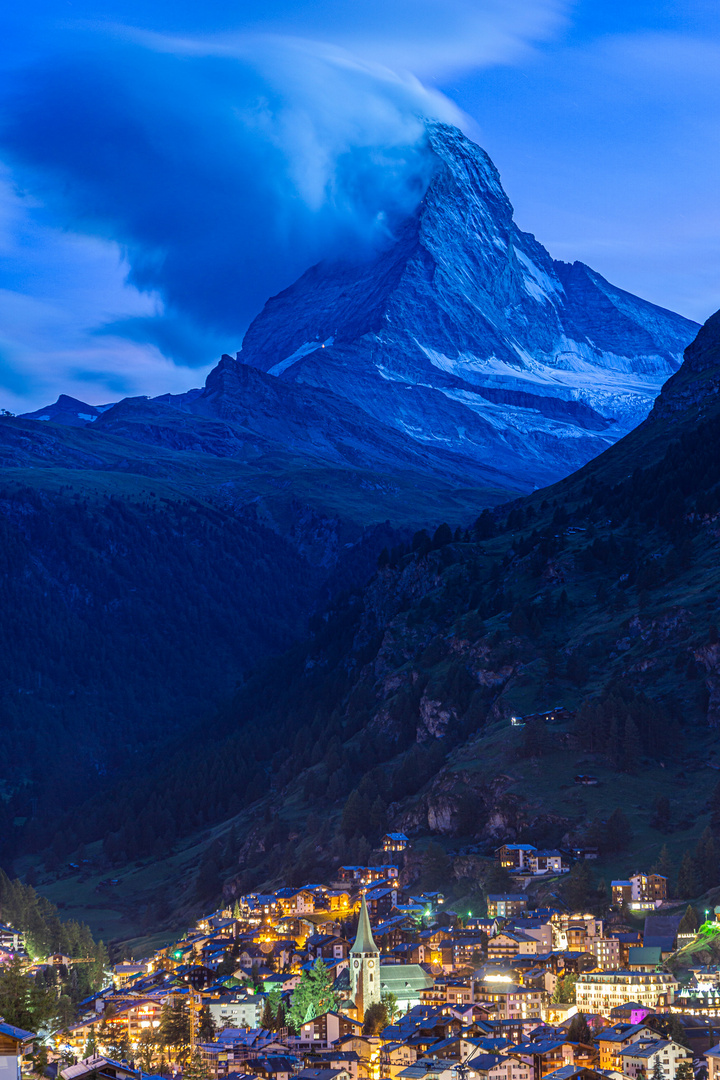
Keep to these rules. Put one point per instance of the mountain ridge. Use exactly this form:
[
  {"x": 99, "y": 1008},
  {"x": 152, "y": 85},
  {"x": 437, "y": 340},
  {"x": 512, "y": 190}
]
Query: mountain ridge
[{"x": 466, "y": 313}]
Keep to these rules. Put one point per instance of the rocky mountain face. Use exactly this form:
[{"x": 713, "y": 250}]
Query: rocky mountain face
[{"x": 465, "y": 334}]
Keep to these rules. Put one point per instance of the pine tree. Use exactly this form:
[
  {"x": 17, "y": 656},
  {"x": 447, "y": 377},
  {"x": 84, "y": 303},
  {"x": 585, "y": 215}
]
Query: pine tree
[
  {"x": 618, "y": 833},
  {"x": 353, "y": 816},
  {"x": 579, "y": 1030},
  {"x": 577, "y": 886},
  {"x": 564, "y": 992},
  {"x": 706, "y": 860},
  {"x": 91, "y": 1044},
  {"x": 312, "y": 996},
  {"x": 687, "y": 884},
  {"x": 689, "y": 922},
  {"x": 436, "y": 867},
  {"x": 206, "y": 1025},
  {"x": 195, "y": 1069},
  {"x": 267, "y": 1020},
  {"x": 661, "y": 815},
  {"x": 146, "y": 1049},
  {"x": 664, "y": 866},
  {"x": 376, "y": 1019},
  {"x": 684, "y": 1071},
  {"x": 657, "y": 1073}
]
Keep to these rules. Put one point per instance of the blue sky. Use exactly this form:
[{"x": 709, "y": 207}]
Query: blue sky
[{"x": 166, "y": 167}]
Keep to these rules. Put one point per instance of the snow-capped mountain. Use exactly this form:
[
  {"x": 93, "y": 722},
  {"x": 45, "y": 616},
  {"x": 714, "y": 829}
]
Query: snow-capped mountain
[{"x": 465, "y": 334}]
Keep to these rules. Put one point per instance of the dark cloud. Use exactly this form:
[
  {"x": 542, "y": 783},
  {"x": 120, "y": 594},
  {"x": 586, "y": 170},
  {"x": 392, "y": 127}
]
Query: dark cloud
[
  {"x": 223, "y": 173},
  {"x": 176, "y": 338}
]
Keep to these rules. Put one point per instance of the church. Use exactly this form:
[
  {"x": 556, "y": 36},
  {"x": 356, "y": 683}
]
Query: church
[{"x": 366, "y": 980}]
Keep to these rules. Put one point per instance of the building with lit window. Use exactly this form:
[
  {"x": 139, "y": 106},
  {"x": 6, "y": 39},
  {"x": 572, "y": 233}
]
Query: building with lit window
[{"x": 598, "y": 991}]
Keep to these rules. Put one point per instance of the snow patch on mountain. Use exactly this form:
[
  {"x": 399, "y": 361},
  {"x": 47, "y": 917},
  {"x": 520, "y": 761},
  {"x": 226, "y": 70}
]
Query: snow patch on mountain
[
  {"x": 304, "y": 350},
  {"x": 511, "y": 356}
]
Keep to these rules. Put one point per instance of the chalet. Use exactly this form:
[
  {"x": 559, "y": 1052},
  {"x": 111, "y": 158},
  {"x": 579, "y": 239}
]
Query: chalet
[
  {"x": 494, "y": 1066},
  {"x": 381, "y": 901},
  {"x": 606, "y": 951},
  {"x": 323, "y": 1031},
  {"x": 342, "y": 1060},
  {"x": 236, "y": 1010},
  {"x": 621, "y": 891},
  {"x": 100, "y": 1068},
  {"x": 644, "y": 958},
  {"x": 712, "y": 1058},
  {"x": 14, "y": 1043},
  {"x": 629, "y": 1013},
  {"x": 514, "y": 856},
  {"x": 504, "y": 906},
  {"x": 512, "y": 1002},
  {"x": 328, "y": 946},
  {"x": 649, "y": 887},
  {"x": 323, "y": 1074},
  {"x": 546, "y": 1055},
  {"x": 614, "y": 1041},
  {"x": 273, "y": 1066},
  {"x": 296, "y": 901},
  {"x": 428, "y": 1068},
  {"x": 396, "y": 841},
  {"x": 508, "y": 944},
  {"x": 547, "y": 861},
  {"x": 366, "y": 1047},
  {"x": 366, "y": 875},
  {"x": 396, "y": 1056},
  {"x": 641, "y": 1057},
  {"x": 11, "y": 940},
  {"x": 336, "y": 900}
]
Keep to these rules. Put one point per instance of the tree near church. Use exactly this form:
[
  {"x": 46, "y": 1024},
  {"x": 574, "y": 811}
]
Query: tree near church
[
  {"x": 380, "y": 1014},
  {"x": 376, "y": 1019},
  {"x": 312, "y": 996}
]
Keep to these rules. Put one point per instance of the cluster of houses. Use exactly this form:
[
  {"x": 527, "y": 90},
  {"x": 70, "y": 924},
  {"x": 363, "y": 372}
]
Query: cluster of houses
[{"x": 458, "y": 998}]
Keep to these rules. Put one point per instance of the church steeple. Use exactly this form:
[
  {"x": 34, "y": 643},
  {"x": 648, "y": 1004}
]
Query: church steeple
[
  {"x": 364, "y": 941},
  {"x": 364, "y": 965}
]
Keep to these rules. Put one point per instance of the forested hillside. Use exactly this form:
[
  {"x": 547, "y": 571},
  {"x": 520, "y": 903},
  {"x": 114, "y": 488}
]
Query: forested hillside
[
  {"x": 124, "y": 620},
  {"x": 599, "y": 595}
]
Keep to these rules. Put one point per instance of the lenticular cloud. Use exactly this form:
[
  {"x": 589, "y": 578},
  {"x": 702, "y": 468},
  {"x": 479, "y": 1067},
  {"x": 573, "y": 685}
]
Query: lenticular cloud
[{"x": 222, "y": 169}]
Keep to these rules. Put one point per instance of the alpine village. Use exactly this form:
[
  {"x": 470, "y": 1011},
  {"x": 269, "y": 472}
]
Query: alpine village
[{"x": 360, "y": 708}]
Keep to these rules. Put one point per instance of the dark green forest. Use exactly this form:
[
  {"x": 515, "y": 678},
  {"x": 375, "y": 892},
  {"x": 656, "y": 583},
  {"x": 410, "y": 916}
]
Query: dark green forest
[
  {"x": 123, "y": 623},
  {"x": 301, "y": 724}
]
